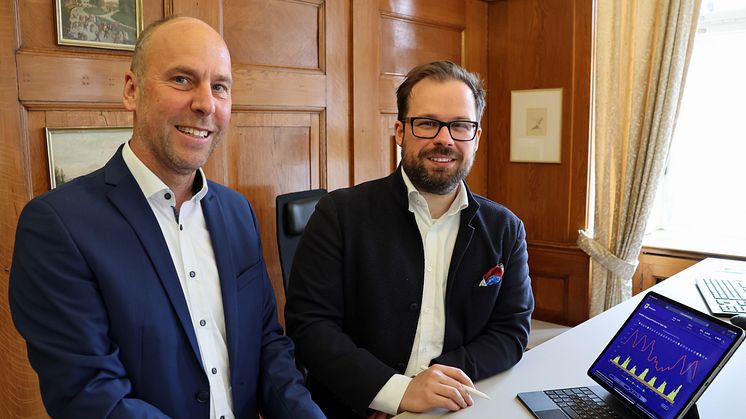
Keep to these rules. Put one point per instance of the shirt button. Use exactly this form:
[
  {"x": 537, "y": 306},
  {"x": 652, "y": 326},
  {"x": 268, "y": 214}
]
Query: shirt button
[
  {"x": 181, "y": 227},
  {"x": 202, "y": 322},
  {"x": 167, "y": 196},
  {"x": 414, "y": 307},
  {"x": 429, "y": 268},
  {"x": 214, "y": 370},
  {"x": 222, "y": 417},
  {"x": 192, "y": 274}
]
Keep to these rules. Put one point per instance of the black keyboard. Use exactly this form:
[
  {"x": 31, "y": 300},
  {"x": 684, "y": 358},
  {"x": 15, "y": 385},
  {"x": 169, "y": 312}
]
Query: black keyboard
[
  {"x": 581, "y": 403},
  {"x": 723, "y": 296}
]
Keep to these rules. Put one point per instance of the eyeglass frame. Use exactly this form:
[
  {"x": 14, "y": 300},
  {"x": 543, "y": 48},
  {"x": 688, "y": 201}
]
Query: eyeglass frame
[{"x": 442, "y": 124}]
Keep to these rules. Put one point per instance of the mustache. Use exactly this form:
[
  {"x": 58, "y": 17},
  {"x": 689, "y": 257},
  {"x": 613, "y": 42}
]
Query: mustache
[{"x": 439, "y": 150}]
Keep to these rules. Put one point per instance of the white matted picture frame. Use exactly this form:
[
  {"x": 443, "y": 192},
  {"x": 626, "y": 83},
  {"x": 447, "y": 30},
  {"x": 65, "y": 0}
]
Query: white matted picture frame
[
  {"x": 536, "y": 126},
  {"x": 75, "y": 152},
  {"x": 110, "y": 24}
]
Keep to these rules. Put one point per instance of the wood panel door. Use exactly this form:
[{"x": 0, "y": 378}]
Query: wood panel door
[{"x": 390, "y": 37}]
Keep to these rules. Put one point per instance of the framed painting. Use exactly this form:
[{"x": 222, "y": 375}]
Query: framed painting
[
  {"x": 75, "y": 152},
  {"x": 110, "y": 24},
  {"x": 536, "y": 126}
]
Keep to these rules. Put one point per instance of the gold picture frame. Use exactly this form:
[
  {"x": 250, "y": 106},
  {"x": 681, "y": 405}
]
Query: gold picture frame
[
  {"x": 109, "y": 24},
  {"x": 75, "y": 152}
]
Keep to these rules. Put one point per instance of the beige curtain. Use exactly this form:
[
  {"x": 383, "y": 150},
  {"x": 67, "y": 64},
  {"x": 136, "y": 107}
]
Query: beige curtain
[{"x": 642, "y": 50}]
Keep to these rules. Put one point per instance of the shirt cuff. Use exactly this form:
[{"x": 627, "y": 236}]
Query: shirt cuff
[{"x": 389, "y": 397}]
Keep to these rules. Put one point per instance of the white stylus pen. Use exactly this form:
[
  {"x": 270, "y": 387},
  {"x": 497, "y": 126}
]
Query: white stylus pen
[{"x": 468, "y": 389}]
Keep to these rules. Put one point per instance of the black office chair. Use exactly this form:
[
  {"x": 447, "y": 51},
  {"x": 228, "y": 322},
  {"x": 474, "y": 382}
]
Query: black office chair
[{"x": 293, "y": 211}]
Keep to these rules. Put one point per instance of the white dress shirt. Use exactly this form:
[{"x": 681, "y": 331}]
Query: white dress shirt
[
  {"x": 438, "y": 239},
  {"x": 189, "y": 243}
]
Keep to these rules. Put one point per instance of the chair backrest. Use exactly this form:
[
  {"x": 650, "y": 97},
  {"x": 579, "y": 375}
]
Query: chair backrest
[{"x": 293, "y": 211}]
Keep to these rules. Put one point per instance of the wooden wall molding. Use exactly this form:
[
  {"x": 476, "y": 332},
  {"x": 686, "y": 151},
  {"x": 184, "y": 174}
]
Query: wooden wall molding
[
  {"x": 278, "y": 88},
  {"x": 51, "y": 78},
  {"x": 443, "y": 12},
  {"x": 560, "y": 278}
]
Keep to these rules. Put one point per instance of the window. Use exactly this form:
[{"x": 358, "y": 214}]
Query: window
[{"x": 701, "y": 203}]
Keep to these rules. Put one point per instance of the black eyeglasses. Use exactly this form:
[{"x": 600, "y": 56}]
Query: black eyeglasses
[{"x": 428, "y": 128}]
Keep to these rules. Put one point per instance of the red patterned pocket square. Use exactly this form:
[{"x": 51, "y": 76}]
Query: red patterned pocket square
[{"x": 493, "y": 276}]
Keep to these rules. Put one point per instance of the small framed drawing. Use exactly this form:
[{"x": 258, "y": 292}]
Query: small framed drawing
[
  {"x": 111, "y": 24},
  {"x": 75, "y": 152},
  {"x": 536, "y": 126}
]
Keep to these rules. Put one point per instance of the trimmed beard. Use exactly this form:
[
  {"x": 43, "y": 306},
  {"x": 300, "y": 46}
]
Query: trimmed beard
[{"x": 437, "y": 182}]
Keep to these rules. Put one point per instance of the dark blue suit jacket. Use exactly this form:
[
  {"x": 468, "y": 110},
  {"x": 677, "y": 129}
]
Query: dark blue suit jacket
[
  {"x": 95, "y": 293},
  {"x": 356, "y": 286}
]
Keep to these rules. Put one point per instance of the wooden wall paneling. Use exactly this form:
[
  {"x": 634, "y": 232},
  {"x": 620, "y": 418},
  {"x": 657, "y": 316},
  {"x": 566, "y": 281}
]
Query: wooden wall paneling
[
  {"x": 406, "y": 43},
  {"x": 281, "y": 33},
  {"x": 389, "y": 150},
  {"x": 37, "y": 150},
  {"x": 278, "y": 140},
  {"x": 365, "y": 71},
  {"x": 38, "y": 24},
  {"x": 210, "y": 11},
  {"x": 654, "y": 268},
  {"x": 45, "y": 77},
  {"x": 19, "y": 382},
  {"x": 272, "y": 153},
  {"x": 536, "y": 44},
  {"x": 276, "y": 88},
  {"x": 537, "y": 38},
  {"x": 475, "y": 59},
  {"x": 337, "y": 159},
  {"x": 446, "y": 12},
  {"x": 580, "y": 106},
  {"x": 560, "y": 281}
]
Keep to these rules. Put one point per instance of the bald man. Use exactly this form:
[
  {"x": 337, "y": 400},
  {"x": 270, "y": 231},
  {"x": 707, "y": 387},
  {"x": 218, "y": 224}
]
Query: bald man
[{"x": 140, "y": 288}]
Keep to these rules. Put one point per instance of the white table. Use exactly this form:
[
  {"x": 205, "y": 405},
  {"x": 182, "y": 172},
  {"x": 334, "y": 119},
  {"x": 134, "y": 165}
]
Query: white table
[{"x": 563, "y": 361}]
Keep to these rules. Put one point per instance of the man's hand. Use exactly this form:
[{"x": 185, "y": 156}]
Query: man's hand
[{"x": 437, "y": 386}]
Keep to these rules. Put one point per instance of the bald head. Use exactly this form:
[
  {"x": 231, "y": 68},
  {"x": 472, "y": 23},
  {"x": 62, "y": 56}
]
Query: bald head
[{"x": 174, "y": 24}]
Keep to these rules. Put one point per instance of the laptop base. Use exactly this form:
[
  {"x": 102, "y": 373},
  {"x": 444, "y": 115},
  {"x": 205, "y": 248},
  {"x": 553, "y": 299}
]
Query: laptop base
[{"x": 542, "y": 407}]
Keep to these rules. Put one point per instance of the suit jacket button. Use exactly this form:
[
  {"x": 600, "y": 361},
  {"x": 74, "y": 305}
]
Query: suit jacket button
[
  {"x": 413, "y": 307},
  {"x": 203, "y": 396},
  {"x": 401, "y": 367}
]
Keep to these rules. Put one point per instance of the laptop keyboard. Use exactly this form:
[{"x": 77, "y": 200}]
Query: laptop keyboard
[
  {"x": 729, "y": 294},
  {"x": 581, "y": 403}
]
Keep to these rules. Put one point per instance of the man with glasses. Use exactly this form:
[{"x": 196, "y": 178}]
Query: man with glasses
[{"x": 407, "y": 288}]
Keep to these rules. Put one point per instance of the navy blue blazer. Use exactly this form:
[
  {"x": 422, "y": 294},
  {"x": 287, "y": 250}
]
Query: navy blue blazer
[
  {"x": 94, "y": 292},
  {"x": 356, "y": 285}
]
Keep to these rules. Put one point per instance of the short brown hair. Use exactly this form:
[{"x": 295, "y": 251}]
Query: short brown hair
[{"x": 441, "y": 71}]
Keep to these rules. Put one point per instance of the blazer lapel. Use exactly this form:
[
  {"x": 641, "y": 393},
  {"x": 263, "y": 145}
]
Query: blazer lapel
[
  {"x": 221, "y": 248},
  {"x": 465, "y": 233},
  {"x": 128, "y": 198}
]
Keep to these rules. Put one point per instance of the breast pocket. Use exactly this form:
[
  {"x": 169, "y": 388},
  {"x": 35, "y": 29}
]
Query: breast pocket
[{"x": 250, "y": 275}]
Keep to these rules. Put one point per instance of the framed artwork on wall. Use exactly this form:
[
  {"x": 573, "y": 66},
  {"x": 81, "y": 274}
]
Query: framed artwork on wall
[
  {"x": 76, "y": 152},
  {"x": 536, "y": 126},
  {"x": 110, "y": 24}
]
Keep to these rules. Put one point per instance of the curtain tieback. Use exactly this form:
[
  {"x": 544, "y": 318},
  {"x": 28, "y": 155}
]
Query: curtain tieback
[{"x": 599, "y": 253}]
